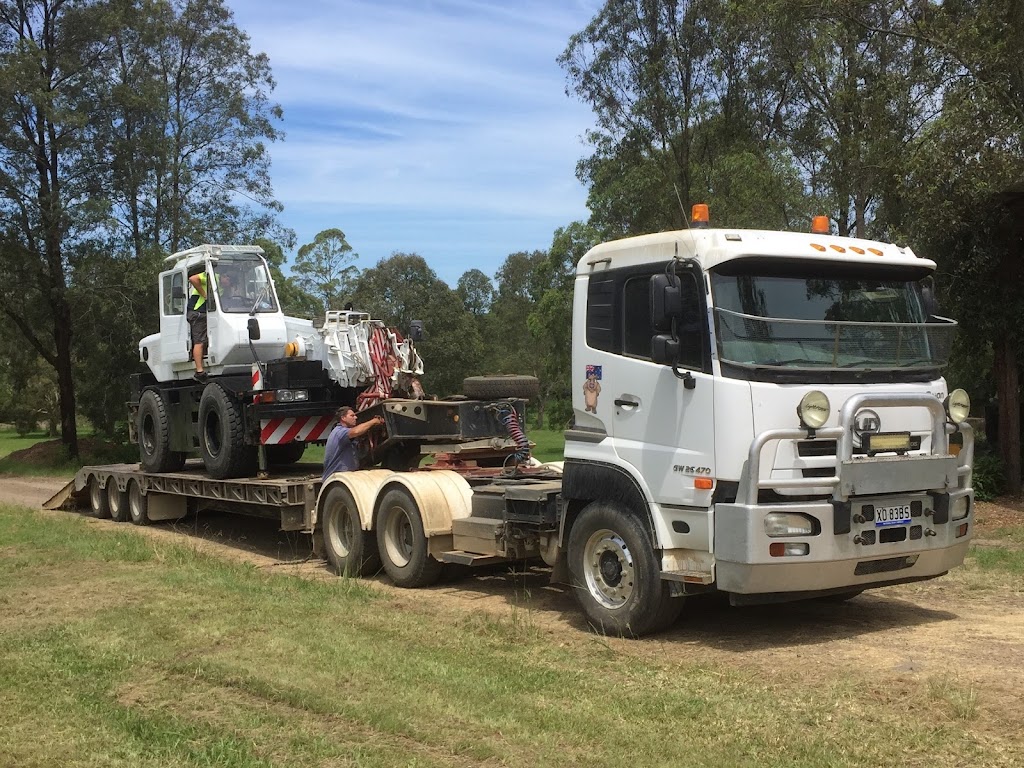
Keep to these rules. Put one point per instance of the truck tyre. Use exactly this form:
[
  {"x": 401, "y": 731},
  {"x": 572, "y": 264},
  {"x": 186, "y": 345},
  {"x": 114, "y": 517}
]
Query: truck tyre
[
  {"x": 351, "y": 551},
  {"x": 285, "y": 454},
  {"x": 221, "y": 435},
  {"x": 117, "y": 500},
  {"x": 154, "y": 432},
  {"x": 98, "y": 506},
  {"x": 138, "y": 505},
  {"x": 615, "y": 575},
  {"x": 402, "y": 544},
  {"x": 490, "y": 387}
]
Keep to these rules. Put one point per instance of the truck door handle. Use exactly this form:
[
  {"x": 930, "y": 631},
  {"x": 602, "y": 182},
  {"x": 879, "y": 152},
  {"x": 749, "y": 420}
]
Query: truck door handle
[{"x": 627, "y": 403}]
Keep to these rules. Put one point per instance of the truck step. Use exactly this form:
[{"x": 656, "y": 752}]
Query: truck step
[
  {"x": 690, "y": 577},
  {"x": 468, "y": 558}
]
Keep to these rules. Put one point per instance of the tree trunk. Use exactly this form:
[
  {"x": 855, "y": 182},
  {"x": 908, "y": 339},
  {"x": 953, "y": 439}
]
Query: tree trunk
[{"x": 1007, "y": 388}]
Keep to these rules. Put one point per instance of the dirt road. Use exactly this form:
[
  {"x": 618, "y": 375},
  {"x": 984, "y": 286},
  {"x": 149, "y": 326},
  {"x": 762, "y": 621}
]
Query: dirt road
[{"x": 962, "y": 634}]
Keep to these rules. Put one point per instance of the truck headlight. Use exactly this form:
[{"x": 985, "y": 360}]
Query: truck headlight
[
  {"x": 958, "y": 406},
  {"x": 292, "y": 395},
  {"x": 814, "y": 409},
  {"x": 780, "y": 524},
  {"x": 959, "y": 508}
]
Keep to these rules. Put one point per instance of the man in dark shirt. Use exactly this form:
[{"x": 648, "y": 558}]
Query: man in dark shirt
[{"x": 340, "y": 454}]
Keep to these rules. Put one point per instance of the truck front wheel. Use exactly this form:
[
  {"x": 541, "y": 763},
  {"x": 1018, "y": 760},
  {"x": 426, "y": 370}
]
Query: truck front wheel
[
  {"x": 351, "y": 551},
  {"x": 154, "y": 432},
  {"x": 402, "y": 543},
  {"x": 222, "y": 436},
  {"x": 615, "y": 574}
]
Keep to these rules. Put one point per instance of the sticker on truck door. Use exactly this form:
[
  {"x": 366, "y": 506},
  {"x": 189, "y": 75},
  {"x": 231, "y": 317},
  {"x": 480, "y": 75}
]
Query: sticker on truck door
[{"x": 592, "y": 388}]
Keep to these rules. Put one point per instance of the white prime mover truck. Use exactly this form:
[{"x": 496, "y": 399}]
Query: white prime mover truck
[{"x": 756, "y": 413}]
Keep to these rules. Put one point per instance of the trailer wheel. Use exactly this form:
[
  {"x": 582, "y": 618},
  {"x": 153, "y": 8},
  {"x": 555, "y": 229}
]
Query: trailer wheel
[
  {"x": 615, "y": 574},
  {"x": 351, "y": 551},
  {"x": 221, "y": 435},
  {"x": 138, "y": 504},
  {"x": 286, "y": 453},
  {"x": 511, "y": 385},
  {"x": 98, "y": 506},
  {"x": 117, "y": 500},
  {"x": 154, "y": 430},
  {"x": 402, "y": 544}
]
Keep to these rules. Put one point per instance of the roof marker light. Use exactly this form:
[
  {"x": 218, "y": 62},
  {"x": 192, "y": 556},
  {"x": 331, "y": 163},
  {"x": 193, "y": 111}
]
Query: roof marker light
[
  {"x": 817, "y": 247},
  {"x": 838, "y": 248},
  {"x": 875, "y": 251},
  {"x": 855, "y": 249}
]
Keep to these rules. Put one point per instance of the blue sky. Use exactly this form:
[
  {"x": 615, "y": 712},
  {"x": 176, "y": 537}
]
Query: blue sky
[{"x": 439, "y": 127}]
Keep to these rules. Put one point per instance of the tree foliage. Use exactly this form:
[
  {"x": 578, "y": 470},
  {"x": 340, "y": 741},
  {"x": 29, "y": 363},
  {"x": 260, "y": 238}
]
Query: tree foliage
[
  {"x": 127, "y": 130},
  {"x": 326, "y": 267}
]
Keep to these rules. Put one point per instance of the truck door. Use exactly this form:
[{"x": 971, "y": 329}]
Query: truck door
[
  {"x": 174, "y": 342},
  {"x": 661, "y": 425}
]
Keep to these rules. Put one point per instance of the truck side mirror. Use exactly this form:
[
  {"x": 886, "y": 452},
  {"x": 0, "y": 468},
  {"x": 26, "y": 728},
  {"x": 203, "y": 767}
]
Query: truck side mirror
[
  {"x": 416, "y": 330},
  {"x": 928, "y": 298},
  {"x": 666, "y": 301},
  {"x": 254, "y": 329},
  {"x": 664, "y": 349}
]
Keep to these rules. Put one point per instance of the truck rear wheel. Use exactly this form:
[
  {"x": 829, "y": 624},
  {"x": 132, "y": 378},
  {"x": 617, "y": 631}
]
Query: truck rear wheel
[
  {"x": 615, "y": 574},
  {"x": 98, "y": 506},
  {"x": 117, "y": 500},
  {"x": 351, "y": 551},
  {"x": 402, "y": 543},
  {"x": 138, "y": 504},
  {"x": 154, "y": 432},
  {"x": 222, "y": 436},
  {"x": 511, "y": 385}
]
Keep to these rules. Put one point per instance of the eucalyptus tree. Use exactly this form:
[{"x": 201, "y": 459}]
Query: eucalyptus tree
[{"x": 326, "y": 267}]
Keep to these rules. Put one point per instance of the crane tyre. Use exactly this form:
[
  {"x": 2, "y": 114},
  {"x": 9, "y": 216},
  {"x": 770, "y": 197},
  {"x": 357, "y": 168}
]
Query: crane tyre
[
  {"x": 154, "y": 431},
  {"x": 138, "y": 504},
  {"x": 403, "y": 547},
  {"x": 286, "y": 453},
  {"x": 615, "y": 573},
  {"x": 351, "y": 551},
  {"x": 117, "y": 500},
  {"x": 98, "y": 506},
  {"x": 511, "y": 385},
  {"x": 222, "y": 437}
]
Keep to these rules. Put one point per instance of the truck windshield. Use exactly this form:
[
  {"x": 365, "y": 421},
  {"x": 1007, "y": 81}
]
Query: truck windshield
[
  {"x": 848, "y": 319},
  {"x": 243, "y": 285}
]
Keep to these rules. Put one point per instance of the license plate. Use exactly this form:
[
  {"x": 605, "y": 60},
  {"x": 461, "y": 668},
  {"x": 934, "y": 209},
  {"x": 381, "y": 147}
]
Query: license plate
[{"x": 895, "y": 515}]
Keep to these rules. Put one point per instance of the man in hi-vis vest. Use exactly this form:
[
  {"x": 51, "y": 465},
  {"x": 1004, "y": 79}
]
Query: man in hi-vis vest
[{"x": 196, "y": 317}]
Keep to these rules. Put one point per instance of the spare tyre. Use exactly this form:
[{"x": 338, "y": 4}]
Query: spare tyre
[{"x": 509, "y": 385}]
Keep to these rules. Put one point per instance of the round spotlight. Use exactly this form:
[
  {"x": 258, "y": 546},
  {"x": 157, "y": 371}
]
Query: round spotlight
[
  {"x": 958, "y": 406},
  {"x": 814, "y": 409}
]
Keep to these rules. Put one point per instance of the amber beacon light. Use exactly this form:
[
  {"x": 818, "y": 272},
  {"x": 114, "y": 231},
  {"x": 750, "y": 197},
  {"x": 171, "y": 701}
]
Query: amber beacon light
[
  {"x": 820, "y": 225},
  {"x": 699, "y": 215}
]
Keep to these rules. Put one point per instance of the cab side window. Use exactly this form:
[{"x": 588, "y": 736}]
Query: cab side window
[{"x": 173, "y": 290}]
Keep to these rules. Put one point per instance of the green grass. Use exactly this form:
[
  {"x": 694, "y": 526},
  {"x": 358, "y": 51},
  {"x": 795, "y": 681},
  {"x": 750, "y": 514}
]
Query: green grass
[
  {"x": 550, "y": 444},
  {"x": 121, "y": 651}
]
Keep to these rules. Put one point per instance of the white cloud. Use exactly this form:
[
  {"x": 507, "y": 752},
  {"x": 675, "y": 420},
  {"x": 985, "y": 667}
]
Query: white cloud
[{"x": 440, "y": 114}]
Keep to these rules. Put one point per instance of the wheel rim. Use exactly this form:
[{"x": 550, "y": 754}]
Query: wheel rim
[
  {"x": 398, "y": 537},
  {"x": 135, "y": 501},
  {"x": 211, "y": 433},
  {"x": 148, "y": 435},
  {"x": 340, "y": 530},
  {"x": 608, "y": 568},
  {"x": 95, "y": 495},
  {"x": 113, "y": 497}
]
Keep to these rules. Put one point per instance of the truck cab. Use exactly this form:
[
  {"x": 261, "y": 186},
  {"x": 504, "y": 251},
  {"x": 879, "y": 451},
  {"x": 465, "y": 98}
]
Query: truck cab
[
  {"x": 239, "y": 288},
  {"x": 768, "y": 410}
]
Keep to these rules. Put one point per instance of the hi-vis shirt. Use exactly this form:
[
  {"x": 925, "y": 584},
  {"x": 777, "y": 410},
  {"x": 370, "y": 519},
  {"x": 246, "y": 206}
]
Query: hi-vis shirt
[{"x": 196, "y": 301}]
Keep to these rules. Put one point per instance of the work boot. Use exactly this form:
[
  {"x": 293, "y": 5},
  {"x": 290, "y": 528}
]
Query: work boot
[{"x": 201, "y": 376}]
